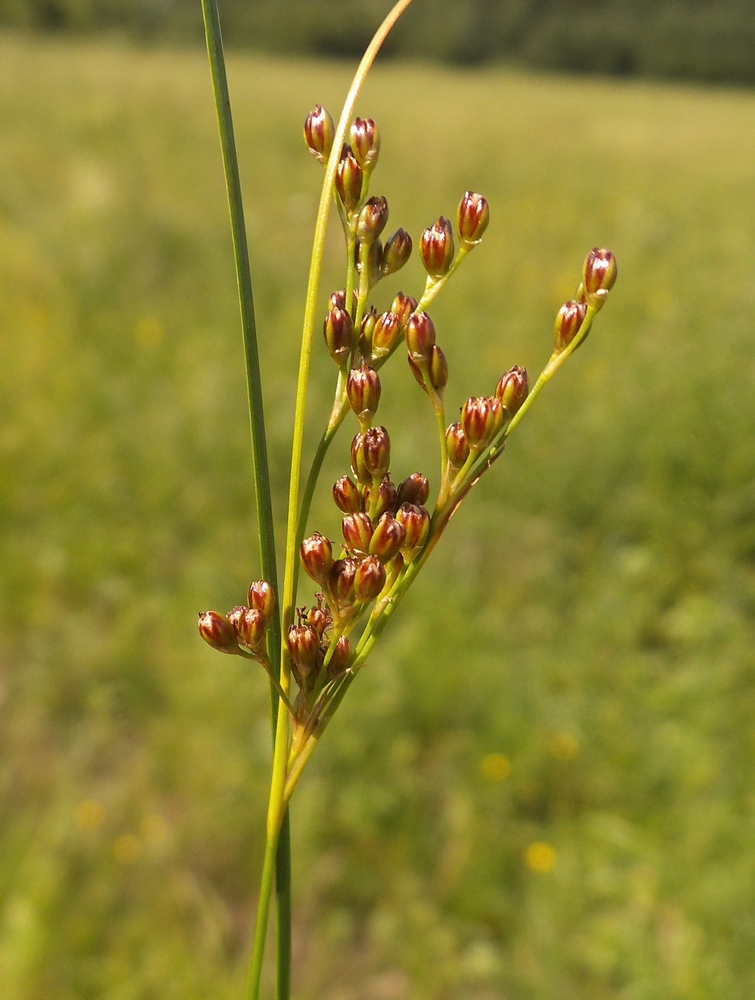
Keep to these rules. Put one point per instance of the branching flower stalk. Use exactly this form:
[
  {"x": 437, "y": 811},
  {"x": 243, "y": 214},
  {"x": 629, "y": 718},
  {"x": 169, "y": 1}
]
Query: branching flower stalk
[{"x": 388, "y": 528}]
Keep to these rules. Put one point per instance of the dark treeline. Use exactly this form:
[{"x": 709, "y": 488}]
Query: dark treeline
[{"x": 691, "y": 39}]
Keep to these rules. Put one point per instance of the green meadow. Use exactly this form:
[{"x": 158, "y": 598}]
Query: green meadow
[{"x": 542, "y": 786}]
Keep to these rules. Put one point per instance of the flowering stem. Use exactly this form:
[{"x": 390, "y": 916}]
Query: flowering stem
[{"x": 297, "y": 515}]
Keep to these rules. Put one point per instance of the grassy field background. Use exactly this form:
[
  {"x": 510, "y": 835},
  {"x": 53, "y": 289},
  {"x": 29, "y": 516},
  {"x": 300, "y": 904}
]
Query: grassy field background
[{"x": 576, "y": 668}]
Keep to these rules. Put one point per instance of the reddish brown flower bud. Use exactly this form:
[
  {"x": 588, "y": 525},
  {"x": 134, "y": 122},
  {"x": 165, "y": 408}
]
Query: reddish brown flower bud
[
  {"x": 218, "y": 632},
  {"x": 365, "y": 139},
  {"x": 357, "y": 531},
  {"x": 338, "y": 331},
  {"x": 420, "y": 337},
  {"x": 337, "y": 300},
  {"x": 251, "y": 629},
  {"x": 347, "y": 496},
  {"x": 372, "y": 219},
  {"x": 457, "y": 445},
  {"x": 481, "y": 419},
  {"x": 234, "y": 616},
  {"x": 376, "y": 449},
  {"x": 414, "y": 489},
  {"x": 512, "y": 390},
  {"x": 403, "y": 306},
  {"x": 317, "y": 557},
  {"x": 386, "y": 335},
  {"x": 472, "y": 218},
  {"x": 416, "y": 522},
  {"x": 358, "y": 467},
  {"x": 304, "y": 647},
  {"x": 387, "y": 538},
  {"x": 386, "y": 498},
  {"x": 375, "y": 263},
  {"x": 342, "y": 580},
  {"x": 396, "y": 252},
  {"x": 437, "y": 369},
  {"x": 349, "y": 179},
  {"x": 363, "y": 390},
  {"x": 437, "y": 248},
  {"x": 339, "y": 659},
  {"x": 366, "y": 330},
  {"x": 318, "y": 619},
  {"x": 599, "y": 275},
  {"x": 319, "y": 131},
  {"x": 369, "y": 579},
  {"x": 570, "y": 318},
  {"x": 262, "y": 597}
]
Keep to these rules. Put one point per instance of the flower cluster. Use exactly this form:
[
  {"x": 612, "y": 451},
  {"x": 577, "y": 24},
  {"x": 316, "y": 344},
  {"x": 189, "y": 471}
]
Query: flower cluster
[{"x": 388, "y": 528}]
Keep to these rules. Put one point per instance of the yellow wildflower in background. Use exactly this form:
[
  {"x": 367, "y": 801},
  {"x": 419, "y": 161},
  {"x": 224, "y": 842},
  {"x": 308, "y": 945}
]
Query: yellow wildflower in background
[
  {"x": 540, "y": 857},
  {"x": 496, "y": 767}
]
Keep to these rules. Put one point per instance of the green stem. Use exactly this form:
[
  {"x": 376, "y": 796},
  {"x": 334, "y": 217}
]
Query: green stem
[
  {"x": 434, "y": 285},
  {"x": 261, "y": 472},
  {"x": 296, "y": 518},
  {"x": 283, "y": 911},
  {"x": 263, "y": 907}
]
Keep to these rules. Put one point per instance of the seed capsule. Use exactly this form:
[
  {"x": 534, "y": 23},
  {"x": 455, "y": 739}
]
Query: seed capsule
[
  {"x": 376, "y": 448},
  {"x": 598, "y": 275},
  {"x": 372, "y": 220},
  {"x": 347, "y": 496},
  {"x": 358, "y": 467},
  {"x": 420, "y": 337},
  {"x": 457, "y": 446},
  {"x": 337, "y": 300},
  {"x": 319, "y": 132},
  {"x": 218, "y": 632},
  {"x": 251, "y": 629},
  {"x": 437, "y": 248},
  {"x": 304, "y": 647},
  {"x": 349, "y": 179},
  {"x": 472, "y": 218},
  {"x": 512, "y": 390},
  {"x": 437, "y": 369},
  {"x": 403, "y": 306},
  {"x": 386, "y": 498},
  {"x": 386, "y": 334},
  {"x": 570, "y": 318},
  {"x": 396, "y": 252},
  {"x": 481, "y": 419},
  {"x": 414, "y": 489},
  {"x": 318, "y": 619},
  {"x": 363, "y": 390},
  {"x": 369, "y": 579},
  {"x": 357, "y": 531},
  {"x": 338, "y": 331},
  {"x": 341, "y": 581},
  {"x": 365, "y": 139},
  {"x": 317, "y": 557},
  {"x": 262, "y": 597},
  {"x": 366, "y": 330},
  {"x": 339, "y": 660},
  {"x": 387, "y": 538},
  {"x": 416, "y": 522}
]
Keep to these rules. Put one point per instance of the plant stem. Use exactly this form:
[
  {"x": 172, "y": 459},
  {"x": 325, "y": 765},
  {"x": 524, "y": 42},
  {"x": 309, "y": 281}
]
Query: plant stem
[
  {"x": 263, "y": 906},
  {"x": 261, "y": 473},
  {"x": 297, "y": 517}
]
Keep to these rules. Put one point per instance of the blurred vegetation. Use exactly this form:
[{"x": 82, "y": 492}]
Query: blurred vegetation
[
  {"x": 541, "y": 787},
  {"x": 691, "y": 39}
]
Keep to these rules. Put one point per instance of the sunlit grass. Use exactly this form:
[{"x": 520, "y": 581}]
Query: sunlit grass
[{"x": 570, "y": 683}]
